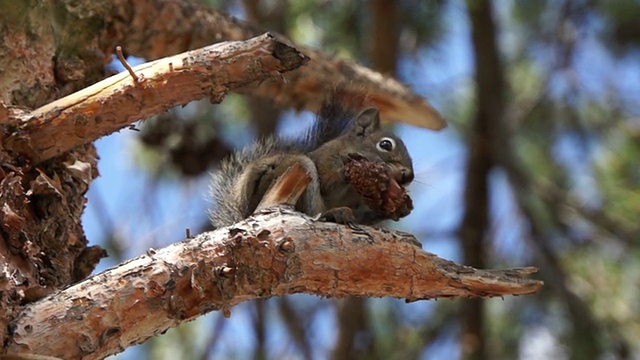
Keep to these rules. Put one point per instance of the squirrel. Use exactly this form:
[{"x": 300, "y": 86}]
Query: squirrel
[{"x": 243, "y": 179}]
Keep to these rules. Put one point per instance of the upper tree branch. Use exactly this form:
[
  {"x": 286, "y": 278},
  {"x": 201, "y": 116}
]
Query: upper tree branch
[
  {"x": 116, "y": 102},
  {"x": 271, "y": 254},
  {"x": 179, "y": 25}
]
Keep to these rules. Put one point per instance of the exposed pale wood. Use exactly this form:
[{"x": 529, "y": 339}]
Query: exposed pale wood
[
  {"x": 274, "y": 253},
  {"x": 117, "y": 101}
]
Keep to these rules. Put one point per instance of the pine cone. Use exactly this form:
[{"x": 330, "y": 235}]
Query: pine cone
[{"x": 380, "y": 191}]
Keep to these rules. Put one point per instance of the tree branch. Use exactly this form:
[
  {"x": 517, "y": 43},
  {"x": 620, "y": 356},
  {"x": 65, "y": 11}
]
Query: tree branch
[
  {"x": 116, "y": 102},
  {"x": 136, "y": 25},
  {"x": 274, "y": 253}
]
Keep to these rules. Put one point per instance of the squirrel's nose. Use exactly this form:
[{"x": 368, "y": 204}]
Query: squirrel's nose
[{"x": 406, "y": 176}]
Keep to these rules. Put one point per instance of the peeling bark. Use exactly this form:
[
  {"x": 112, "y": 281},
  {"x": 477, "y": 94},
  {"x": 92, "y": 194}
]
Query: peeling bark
[
  {"x": 274, "y": 253},
  {"x": 42, "y": 244}
]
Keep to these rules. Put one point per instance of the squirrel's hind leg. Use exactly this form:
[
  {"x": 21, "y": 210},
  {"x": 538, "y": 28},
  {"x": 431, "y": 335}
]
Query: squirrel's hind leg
[{"x": 258, "y": 177}]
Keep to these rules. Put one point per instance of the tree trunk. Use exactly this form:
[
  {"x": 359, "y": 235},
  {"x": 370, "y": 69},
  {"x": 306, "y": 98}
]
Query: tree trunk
[{"x": 482, "y": 140}]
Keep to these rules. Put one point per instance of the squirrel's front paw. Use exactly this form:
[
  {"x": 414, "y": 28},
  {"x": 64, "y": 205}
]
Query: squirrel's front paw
[{"x": 340, "y": 215}]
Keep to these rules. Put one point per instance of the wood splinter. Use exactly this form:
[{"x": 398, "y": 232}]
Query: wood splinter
[{"x": 126, "y": 65}]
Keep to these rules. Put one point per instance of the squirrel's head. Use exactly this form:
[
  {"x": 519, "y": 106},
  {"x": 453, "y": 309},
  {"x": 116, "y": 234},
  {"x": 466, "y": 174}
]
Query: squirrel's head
[{"x": 378, "y": 144}]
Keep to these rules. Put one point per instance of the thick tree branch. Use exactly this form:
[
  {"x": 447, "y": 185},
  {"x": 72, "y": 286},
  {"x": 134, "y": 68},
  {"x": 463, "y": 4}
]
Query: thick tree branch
[
  {"x": 116, "y": 102},
  {"x": 272, "y": 254},
  {"x": 136, "y": 25}
]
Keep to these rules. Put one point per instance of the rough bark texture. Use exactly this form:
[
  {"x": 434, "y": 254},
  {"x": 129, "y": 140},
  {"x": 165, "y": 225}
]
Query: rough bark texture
[
  {"x": 275, "y": 253},
  {"x": 116, "y": 102},
  {"x": 42, "y": 244}
]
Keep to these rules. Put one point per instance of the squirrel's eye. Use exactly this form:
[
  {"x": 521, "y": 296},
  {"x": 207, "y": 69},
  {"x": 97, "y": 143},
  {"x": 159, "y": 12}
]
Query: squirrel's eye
[{"x": 386, "y": 144}]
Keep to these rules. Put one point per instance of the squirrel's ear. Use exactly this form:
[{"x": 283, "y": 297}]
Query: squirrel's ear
[{"x": 367, "y": 122}]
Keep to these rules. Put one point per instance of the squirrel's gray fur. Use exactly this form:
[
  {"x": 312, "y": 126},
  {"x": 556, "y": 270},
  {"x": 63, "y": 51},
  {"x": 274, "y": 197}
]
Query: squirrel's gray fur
[
  {"x": 332, "y": 121},
  {"x": 244, "y": 177}
]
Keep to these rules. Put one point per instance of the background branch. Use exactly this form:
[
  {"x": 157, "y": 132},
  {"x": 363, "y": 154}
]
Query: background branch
[
  {"x": 483, "y": 138},
  {"x": 138, "y": 28}
]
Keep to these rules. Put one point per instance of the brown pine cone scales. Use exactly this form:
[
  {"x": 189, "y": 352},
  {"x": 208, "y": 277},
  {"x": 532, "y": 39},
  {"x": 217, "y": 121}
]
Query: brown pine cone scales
[{"x": 381, "y": 192}]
